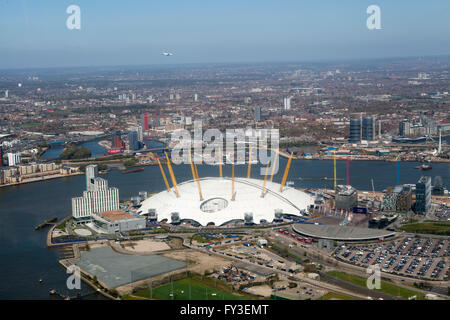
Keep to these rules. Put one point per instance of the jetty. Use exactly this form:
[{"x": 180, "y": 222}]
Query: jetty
[{"x": 47, "y": 222}]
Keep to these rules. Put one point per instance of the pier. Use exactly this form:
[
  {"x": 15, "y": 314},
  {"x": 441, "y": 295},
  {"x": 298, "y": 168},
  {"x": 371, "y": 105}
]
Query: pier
[{"x": 47, "y": 222}]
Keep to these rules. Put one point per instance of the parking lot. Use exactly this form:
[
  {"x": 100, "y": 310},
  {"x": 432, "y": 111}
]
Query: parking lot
[{"x": 422, "y": 257}]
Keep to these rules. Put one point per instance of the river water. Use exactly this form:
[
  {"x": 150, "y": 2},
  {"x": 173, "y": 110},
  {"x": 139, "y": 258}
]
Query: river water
[{"x": 25, "y": 258}]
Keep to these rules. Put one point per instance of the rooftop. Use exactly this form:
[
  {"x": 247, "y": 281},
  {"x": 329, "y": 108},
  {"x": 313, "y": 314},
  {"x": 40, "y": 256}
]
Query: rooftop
[
  {"x": 343, "y": 233},
  {"x": 116, "y": 215},
  {"x": 217, "y": 205}
]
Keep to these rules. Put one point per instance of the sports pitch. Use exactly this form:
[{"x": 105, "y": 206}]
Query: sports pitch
[{"x": 187, "y": 289}]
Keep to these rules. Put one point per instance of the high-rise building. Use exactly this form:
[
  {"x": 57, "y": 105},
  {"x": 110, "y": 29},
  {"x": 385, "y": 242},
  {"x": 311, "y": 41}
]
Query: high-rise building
[
  {"x": 96, "y": 199},
  {"x": 404, "y": 199},
  {"x": 133, "y": 141},
  {"x": 195, "y": 97},
  {"x": 6, "y": 93},
  {"x": 91, "y": 174},
  {"x": 13, "y": 159},
  {"x": 423, "y": 195},
  {"x": 145, "y": 123},
  {"x": 140, "y": 133},
  {"x": 287, "y": 103},
  {"x": 355, "y": 130},
  {"x": 117, "y": 142},
  {"x": 404, "y": 128},
  {"x": 257, "y": 112},
  {"x": 368, "y": 129}
]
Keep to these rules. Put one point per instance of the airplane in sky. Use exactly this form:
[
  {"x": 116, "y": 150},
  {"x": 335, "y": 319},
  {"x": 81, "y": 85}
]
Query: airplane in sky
[{"x": 167, "y": 54}]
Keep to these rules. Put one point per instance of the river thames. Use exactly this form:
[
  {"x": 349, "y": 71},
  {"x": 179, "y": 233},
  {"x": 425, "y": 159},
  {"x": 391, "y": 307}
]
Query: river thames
[{"x": 25, "y": 258}]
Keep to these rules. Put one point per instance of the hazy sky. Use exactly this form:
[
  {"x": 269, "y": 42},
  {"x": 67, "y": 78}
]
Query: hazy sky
[{"x": 118, "y": 32}]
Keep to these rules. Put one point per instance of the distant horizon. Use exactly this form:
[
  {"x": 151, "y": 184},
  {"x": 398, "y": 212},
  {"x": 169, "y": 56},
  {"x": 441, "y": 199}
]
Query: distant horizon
[
  {"x": 46, "y": 34},
  {"x": 311, "y": 61}
]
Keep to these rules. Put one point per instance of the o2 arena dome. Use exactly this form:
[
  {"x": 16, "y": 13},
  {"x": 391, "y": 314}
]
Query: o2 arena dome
[{"x": 219, "y": 205}]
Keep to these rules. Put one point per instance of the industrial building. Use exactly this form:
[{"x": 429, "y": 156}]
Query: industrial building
[
  {"x": 118, "y": 221},
  {"x": 257, "y": 114}
]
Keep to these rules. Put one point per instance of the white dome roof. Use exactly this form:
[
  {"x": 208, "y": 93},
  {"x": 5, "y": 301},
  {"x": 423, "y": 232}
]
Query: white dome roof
[{"x": 217, "y": 205}]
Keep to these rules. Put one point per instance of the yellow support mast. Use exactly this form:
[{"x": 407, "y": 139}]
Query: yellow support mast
[
  {"x": 198, "y": 183},
  {"x": 163, "y": 175},
  {"x": 172, "y": 176},
  {"x": 195, "y": 176},
  {"x": 249, "y": 162},
  {"x": 265, "y": 180},
  {"x": 232, "y": 183},
  {"x": 220, "y": 162},
  {"x": 286, "y": 171},
  {"x": 274, "y": 165}
]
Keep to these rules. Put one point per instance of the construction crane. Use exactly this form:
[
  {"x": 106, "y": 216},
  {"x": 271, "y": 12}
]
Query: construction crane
[
  {"x": 172, "y": 176},
  {"x": 286, "y": 171},
  {"x": 163, "y": 175}
]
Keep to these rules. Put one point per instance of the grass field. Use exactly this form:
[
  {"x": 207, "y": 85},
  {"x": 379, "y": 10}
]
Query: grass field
[
  {"x": 386, "y": 286},
  {"x": 438, "y": 228},
  {"x": 190, "y": 289},
  {"x": 336, "y": 296}
]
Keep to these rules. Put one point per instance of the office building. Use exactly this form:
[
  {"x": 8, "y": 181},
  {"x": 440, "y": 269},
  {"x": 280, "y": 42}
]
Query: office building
[
  {"x": 404, "y": 199},
  {"x": 117, "y": 142},
  {"x": 13, "y": 159},
  {"x": 140, "y": 133},
  {"x": 287, "y": 103},
  {"x": 96, "y": 199},
  {"x": 133, "y": 142},
  {"x": 404, "y": 128},
  {"x": 355, "y": 130},
  {"x": 423, "y": 195},
  {"x": 368, "y": 129},
  {"x": 144, "y": 119}
]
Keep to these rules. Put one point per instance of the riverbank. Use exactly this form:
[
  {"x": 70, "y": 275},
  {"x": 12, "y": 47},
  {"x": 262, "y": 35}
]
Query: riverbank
[{"x": 44, "y": 178}]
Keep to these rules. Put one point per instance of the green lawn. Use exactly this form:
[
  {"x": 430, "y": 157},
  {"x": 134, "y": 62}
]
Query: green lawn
[
  {"x": 188, "y": 289},
  {"x": 439, "y": 228},
  {"x": 386, "y": 286},
  {"x": 336, "y": 296},
  {"x": 62, "y": 226}
]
